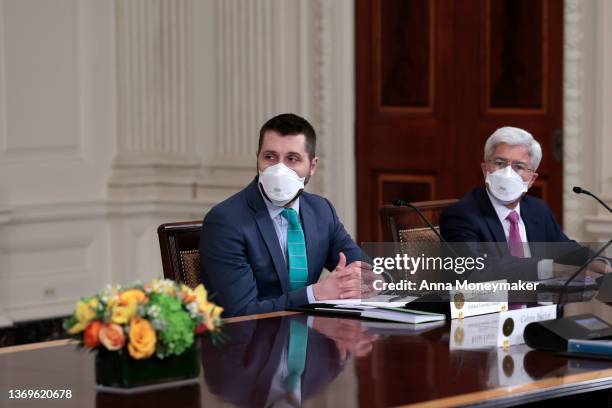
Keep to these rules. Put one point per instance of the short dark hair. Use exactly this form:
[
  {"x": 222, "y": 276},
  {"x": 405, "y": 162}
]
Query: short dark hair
[{"x": 287, "y": 124}]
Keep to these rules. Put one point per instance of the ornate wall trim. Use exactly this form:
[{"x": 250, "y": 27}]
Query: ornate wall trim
[
  {"x": 155, "y": 143},
  {"x": 573, "y": 112}
]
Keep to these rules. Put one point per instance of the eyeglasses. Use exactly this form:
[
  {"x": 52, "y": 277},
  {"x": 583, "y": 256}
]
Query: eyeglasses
[{"x": 519, "y": 167}]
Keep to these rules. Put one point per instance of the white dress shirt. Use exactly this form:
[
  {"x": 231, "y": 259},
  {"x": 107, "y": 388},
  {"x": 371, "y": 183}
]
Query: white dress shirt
[{"x": 545, "y": 266}]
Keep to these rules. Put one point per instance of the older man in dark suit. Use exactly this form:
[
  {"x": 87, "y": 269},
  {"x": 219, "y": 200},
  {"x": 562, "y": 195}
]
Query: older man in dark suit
[{"x": 501, "y": 212}]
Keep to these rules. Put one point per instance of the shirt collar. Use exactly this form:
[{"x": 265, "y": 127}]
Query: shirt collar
[
  {"x": 501, "y": 210},
  {"x": 275, "y": 210}
]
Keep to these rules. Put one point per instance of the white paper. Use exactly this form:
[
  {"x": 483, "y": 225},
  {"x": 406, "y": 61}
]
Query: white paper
[{"x": 376, "y": 301}]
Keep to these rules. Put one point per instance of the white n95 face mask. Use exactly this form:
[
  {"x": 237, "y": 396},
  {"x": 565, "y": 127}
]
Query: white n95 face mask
[
  {"x": 281, "y": 184},
  {"x": 506, "y": 185}
]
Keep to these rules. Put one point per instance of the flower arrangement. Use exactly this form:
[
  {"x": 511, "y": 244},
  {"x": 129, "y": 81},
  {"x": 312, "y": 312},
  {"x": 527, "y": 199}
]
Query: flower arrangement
[{"x": 161, "y": 318}]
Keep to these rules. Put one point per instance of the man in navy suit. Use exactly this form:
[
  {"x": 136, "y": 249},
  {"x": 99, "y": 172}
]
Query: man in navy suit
[
  {"x": 501, "y": 212},
  {"x": 264, "y": 248}
]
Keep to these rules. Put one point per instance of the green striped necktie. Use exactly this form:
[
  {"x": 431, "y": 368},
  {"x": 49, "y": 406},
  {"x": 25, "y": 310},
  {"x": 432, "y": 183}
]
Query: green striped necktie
[
  {"x": 296, "y": 356},
  {"x": 296, "y": 250}
]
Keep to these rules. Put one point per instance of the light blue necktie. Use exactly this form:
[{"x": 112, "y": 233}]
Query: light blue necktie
[{"x": 296, "y": 250}]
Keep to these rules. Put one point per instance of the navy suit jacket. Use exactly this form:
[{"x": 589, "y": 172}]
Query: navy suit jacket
[
  {"x": 473, "y": 219},
  {"x": 242, "y": 262}
]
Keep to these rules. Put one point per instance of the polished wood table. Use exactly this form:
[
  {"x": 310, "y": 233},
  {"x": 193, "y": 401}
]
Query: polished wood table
[{"x": 348, "y": 363}]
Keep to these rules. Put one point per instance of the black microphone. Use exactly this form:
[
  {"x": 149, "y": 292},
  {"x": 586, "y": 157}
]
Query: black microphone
[
  {"x": 582, "y": 267},
  {"x": 580, "y": 190}
]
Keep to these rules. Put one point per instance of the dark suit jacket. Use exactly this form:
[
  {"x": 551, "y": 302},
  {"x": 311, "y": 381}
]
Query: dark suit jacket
[
  {"x": 473, "y": 219},
  {"x": 241, "y": 370},
  {"x": 241, "y": 258}
]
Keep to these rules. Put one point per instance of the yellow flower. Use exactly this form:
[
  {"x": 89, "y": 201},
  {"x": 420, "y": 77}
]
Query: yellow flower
[
  {"x": 85, "y": 313},
  {"x": 162, "y": 286},
  {"x": 142, "y": 339},
  {"x": 187, "y": 294},
  {"x": 212, "y": 314},
  {"x": 200, "y": 293},
  {"x": 93, "y": 303},
  {"x": 122, "y": 312},
  {"x": 133, "y": 294}
]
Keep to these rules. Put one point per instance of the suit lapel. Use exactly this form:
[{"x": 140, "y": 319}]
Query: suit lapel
[
  {"x": 532, "y": 228},
  {"x": 266, "y": 228},
  {"x": 495, "y": 227},
  {"x": 309, "y": 225}
]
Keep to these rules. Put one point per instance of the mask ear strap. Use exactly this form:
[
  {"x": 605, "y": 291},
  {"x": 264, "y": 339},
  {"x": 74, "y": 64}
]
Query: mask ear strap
[
  {"x": 299, "y": 193},
  {"x": 263, "y": 192}
]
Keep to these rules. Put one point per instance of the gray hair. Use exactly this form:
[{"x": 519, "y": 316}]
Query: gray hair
[{"x": 514, "y": 136}]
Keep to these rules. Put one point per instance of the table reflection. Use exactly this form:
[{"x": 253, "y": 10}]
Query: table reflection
[{"x": 281, "y": 362}]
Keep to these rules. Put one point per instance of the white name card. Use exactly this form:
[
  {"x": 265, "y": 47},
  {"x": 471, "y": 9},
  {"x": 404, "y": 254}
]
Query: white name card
[
  {"x": 465, "y": 303},
  {"x": 512, "y": 323},
  {"x": 510, "y": 367},
  {"x": 474, "y": 333}
]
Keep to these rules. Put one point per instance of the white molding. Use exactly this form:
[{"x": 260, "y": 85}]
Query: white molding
[
  {"x": 47, "y": 263},
  {"x": 5, "y": 214},
  {"x": 4, "y": 320},
  {"x": 73, "y": 152},
  {"x": 83, "y": 45},
  {"x": 153, "y": 76},
  {"x": 338, "y": 100},
  {"x": 573, "y": 112},
  {"x": 40, "y": 310},
  {"x": 317, "y": 86},
  {"x": 63, "y": 211},
  {"x": 603, "y": 95},
  {"x": 3, "y": 125},
  {"x": 156, "y": 147},
  {"x": 107, "y": 241},
  {"x": 599, "y": 226},
  {"x": 101, "y": 210},
  {"x": 5, "y": 217},
  {"x": 309, "y": 71}
]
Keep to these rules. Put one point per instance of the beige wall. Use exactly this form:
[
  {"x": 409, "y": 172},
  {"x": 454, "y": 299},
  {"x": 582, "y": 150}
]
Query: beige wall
[
  {"x": 117, "y": 116},
  {"x": 588, "y": 113}
]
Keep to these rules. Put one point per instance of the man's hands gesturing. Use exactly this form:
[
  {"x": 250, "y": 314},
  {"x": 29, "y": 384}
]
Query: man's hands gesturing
[{"x": 343, "y": 283}]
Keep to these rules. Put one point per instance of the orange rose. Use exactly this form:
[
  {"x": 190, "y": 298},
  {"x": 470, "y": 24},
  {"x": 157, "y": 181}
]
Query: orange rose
[
  {"x": 142, "y": 339},
  {"x": 111, "y": 336},
  {"x": 91, "y": 334}
]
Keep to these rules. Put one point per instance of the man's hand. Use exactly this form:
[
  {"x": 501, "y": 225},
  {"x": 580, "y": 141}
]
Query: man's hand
[
  {"x": 563, "y": 271},
  {"x": 350, "y": 336},
  {"x": 594, "y": 269},
  {"x": 598, "y": 267},
  {"x": 343, "y": 283},
  {"x": 367, "y": 281}
]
